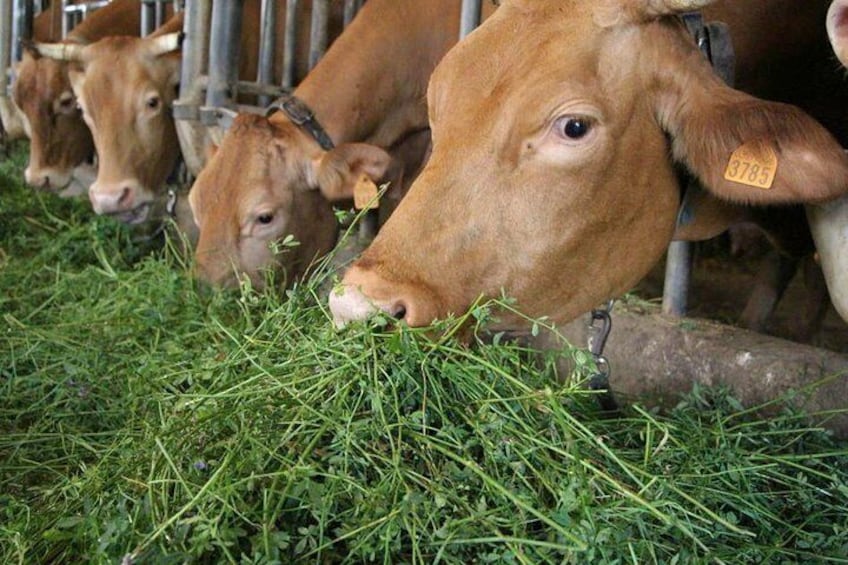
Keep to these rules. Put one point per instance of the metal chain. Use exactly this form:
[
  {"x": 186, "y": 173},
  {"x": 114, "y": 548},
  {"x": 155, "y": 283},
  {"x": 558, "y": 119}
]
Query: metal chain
[{"x": 599, "y": 327}]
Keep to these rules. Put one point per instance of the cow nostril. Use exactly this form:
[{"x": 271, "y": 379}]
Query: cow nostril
[
  {"x": 125, "y": 195},
  {"x": 398, "y": 312}
]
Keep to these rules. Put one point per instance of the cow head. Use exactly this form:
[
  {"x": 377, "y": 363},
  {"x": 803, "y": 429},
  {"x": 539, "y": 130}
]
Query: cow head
[
  {"x": 556, "y": 127},
  {"x": 125, "y": 87},
  {"x": 267, "y": 181},
  {"x": 59, "y": 139}
]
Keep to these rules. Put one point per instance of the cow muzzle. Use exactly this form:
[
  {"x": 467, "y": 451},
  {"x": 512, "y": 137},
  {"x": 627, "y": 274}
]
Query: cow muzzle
[
  {"x": 348, "y": 304},
  {"x": 126, "y": 201},
  {"x": 351, "y": 302},
  {"x": 48, "y": 179}
]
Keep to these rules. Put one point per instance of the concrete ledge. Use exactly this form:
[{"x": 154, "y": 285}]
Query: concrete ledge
[{"x": 655, "y": 359}]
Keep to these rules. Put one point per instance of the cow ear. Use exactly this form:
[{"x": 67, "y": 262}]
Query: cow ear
[
  {"x": 837, "y": 29},
  {"x": 337, "y": 171},
  {"x": 744, "y": 149}
]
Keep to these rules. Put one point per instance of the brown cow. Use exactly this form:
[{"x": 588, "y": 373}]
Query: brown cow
[
  {"x": 270, "y": 179},
  {"x": 126, "y": 89},
  {"x": 46, "y": 26},
  {"x": 60, "y": 142},
  {"x": 556, "y": 127}
]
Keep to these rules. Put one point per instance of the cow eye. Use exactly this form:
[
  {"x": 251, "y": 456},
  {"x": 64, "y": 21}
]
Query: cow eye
[
  {"x": 153, "y": 102},
  {"x": 574, "y": 127},
  {"x": 265, "y": 219},
  {"x": 67, "y": 102}
]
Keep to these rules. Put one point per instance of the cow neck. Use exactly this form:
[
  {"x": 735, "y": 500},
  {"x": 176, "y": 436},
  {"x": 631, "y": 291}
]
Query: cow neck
[
  {"x": 369, "y": 86},
  {"x": 121, "y": 17}
]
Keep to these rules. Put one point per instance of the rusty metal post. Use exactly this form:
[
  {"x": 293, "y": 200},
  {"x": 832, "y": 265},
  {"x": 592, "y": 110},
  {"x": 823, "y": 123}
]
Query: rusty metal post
[{"x": 267, "y": 47}]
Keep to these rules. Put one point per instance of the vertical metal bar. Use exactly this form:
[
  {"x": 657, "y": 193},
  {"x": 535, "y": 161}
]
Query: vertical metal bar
[
  {"x": 195, "y": 43},
  {"x": 268, "y": 41},
  {"x": 66, "y": 19},
  {"x": 160, "y": 14},
  {"x": 21, "y": 26},
  {"x": 677, "y": 274},
  {"x": 5, "y": 44},
  {"x": 148, "y": 18},
  {"x": 318, "y": 38},
  {"x": 471, "y": 10},
  {"x": 290, "y": 43},
  {"x": 224, "y": 52},
  {"x": 351, "y": 7}
]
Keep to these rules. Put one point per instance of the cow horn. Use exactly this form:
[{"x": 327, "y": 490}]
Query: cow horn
[
  {"x": 166, "y": 43},
  {"x": 60, "y": 51},
  {"x": 676, "y": 6}
]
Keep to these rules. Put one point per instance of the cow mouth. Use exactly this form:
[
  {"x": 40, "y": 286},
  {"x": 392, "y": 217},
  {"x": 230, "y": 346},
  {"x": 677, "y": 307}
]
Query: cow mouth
[{"x": 135, "y": 216}]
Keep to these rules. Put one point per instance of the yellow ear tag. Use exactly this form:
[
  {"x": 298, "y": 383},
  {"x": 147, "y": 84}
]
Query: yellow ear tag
[
  {"x": 753, "y": 164},
  {"x": 365, "y": 194}
]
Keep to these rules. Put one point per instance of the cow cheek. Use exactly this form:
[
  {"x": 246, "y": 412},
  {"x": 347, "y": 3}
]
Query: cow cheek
[{"x": 255, "y": 257}]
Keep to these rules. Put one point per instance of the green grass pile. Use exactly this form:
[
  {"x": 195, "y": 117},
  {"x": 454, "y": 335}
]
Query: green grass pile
[{"x": 147, "y": 419}]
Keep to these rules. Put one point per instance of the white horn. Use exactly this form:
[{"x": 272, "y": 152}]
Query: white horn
[
  {"x": 829, "y": 224},
  {"x": 165, "y": 43},
  {"x": 681, "y": 5},
  {"x": 615, "y": 12},
  {"x": 60, "y": 51}
]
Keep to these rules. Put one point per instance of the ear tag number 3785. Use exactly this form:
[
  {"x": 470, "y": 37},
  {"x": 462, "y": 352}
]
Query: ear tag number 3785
[{"x": 753, "y": 164}]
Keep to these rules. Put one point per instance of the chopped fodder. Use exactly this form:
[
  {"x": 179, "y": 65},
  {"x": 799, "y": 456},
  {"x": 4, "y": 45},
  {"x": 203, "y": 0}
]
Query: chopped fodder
[{"x": 149, "y": 419}]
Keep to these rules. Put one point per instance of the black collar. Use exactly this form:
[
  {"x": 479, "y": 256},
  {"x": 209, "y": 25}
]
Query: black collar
[{"x": 300, "y": 114}]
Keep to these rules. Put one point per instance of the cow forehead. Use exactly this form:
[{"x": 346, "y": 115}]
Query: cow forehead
[
  {"x": 40, "y": 80},
  {"x": 121, "y": 64},
  {"x": 526, "y": 63},
  {"x": 251, "y": 168}
]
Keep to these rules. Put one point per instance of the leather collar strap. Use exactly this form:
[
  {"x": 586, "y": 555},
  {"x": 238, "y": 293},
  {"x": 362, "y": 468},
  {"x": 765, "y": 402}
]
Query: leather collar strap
[{"x": 300, "y": 114}]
